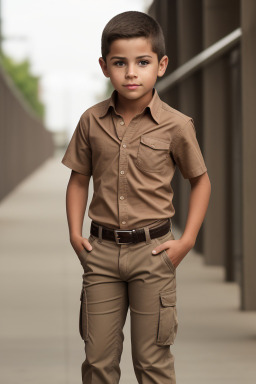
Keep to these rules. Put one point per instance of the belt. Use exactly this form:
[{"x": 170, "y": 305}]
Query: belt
[{"x": 121, "y": 236}]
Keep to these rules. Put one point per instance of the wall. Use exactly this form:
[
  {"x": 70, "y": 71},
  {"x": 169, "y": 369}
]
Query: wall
[{"x": 24, "y": 142}]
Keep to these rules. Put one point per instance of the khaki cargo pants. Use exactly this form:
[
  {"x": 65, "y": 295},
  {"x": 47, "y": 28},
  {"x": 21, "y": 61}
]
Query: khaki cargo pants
[{"x": 117, "y": 277}]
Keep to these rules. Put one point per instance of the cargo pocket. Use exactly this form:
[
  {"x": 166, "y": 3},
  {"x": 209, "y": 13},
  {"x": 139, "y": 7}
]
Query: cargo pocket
[
  {"x": 152, "y": 154},
  {"x": 168, "y": 322},
  {"x": 83, "y": 316}
]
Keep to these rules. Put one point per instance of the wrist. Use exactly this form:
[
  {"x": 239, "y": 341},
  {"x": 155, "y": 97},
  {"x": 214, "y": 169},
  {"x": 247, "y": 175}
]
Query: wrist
[
  {"x": 74, "y": 235},
  {"x": 188, "y": 241}
]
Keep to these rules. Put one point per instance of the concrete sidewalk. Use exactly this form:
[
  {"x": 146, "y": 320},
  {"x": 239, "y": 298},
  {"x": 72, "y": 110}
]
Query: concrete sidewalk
[{"x": 41, "y": 278}]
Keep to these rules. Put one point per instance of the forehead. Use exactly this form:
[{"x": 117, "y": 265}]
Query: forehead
[{"x": 137, "y": 45}]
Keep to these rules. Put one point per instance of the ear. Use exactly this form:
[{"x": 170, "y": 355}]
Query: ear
[
  {"x": 162, "y": 66},
  {"x": 104, "y": 67}
]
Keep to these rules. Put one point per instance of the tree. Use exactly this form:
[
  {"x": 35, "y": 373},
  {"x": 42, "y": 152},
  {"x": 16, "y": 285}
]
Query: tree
[{"x": 27, "y": 83}]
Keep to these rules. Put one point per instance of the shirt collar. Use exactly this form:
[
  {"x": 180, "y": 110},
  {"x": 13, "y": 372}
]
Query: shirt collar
[{"x": 154, "y": 106}]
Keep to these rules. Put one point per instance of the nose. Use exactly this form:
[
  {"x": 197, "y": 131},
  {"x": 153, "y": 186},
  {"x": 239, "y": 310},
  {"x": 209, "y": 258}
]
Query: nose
[{"x": 131, "y": 72}]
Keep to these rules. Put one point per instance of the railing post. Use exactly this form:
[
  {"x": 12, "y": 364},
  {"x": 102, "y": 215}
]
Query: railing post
[
  {"x": 220, "y": 18},
  {"x": 249, "y": 150},
  {"x": 190, "y": 43}
]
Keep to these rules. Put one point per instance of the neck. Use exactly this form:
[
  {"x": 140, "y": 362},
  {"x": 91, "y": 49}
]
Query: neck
[{"x": 132, "y": 107}]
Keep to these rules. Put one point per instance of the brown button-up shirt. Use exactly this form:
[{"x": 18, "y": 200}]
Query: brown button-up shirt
[{"x": 132, "y": 167}]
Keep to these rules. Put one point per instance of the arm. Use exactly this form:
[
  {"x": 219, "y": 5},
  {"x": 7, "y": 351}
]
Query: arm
[
  {"x": 198, "y": 203},
  {"x": 76, "y": 200}
]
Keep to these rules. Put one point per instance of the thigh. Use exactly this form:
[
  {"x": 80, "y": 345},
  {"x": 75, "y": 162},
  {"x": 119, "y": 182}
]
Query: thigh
[
  {"x": 104, "y": 302},
  {"x": 152, "y": 297},
  {"x": 103, "y": 310}
]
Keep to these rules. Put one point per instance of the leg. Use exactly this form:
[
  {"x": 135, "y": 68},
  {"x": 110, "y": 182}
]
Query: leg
[
  {"x": 152, "y": 296},
  {"x": 104, "y": 305}
]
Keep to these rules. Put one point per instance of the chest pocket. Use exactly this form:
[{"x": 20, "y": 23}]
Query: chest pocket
[{"x": 152, "y": 154}]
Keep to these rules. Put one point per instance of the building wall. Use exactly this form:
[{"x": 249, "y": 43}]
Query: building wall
[{"x": 220, "y": 98}]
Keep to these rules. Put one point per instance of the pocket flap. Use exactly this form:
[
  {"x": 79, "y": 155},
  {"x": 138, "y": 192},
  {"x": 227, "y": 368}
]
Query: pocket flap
[
  {"x": 154, "y": 143},
  {"x": 168, "y": 299}
]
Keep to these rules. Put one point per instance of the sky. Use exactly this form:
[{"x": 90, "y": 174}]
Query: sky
[{"x": 62, "y": 40}]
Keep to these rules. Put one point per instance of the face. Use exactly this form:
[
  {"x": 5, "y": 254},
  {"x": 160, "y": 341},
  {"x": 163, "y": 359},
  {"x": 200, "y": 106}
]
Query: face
[{"x": 133, "y": 68}]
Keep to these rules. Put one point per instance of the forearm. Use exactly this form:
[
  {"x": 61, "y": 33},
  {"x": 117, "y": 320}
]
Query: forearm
[
  {"x": 198, "y": 204},
  {"x": 76, "y": 201}
]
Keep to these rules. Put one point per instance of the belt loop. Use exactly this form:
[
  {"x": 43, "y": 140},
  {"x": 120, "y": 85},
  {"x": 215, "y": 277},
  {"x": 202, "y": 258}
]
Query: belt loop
[
  {"x": 147, "y": 234},
  {"x": 100, "y": 234}
]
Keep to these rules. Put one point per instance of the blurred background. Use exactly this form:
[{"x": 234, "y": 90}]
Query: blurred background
[{"x": 49, "y": 75}]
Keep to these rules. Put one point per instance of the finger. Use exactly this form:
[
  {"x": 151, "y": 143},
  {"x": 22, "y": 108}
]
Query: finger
[
  {"x": 87, "y": 245},
  {"x": 158, "y": 249}
]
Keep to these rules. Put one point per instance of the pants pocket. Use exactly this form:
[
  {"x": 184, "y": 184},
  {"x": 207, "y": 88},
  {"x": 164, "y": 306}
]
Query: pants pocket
[
  {"x": 83, "y": 316},
  {"x": 166, "y": 259},
  {"x": 168, "y": 322},
  {"x": 83, "y": 255}
]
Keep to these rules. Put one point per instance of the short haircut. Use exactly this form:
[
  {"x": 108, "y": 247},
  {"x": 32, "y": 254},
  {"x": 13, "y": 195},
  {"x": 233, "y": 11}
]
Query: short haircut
[{"x": 133, "y": 24}]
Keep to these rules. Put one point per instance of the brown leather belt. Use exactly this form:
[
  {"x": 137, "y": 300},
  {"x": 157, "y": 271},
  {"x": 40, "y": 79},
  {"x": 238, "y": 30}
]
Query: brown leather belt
[{"x": 121, "y": 236}]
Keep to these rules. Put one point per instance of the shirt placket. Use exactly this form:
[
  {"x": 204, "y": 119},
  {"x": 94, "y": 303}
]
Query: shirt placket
[{"x": 125, "y": 138}]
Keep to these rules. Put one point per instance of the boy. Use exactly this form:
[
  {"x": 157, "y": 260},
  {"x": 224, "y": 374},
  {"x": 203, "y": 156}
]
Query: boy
[{"x": 130, "y": 144}]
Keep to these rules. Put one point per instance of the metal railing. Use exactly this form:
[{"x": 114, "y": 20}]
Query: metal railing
[{"x": 199, "y": 61}]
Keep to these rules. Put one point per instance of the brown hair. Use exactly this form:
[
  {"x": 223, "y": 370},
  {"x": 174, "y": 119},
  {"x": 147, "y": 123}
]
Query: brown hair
[{"x": 133, "y": 24}]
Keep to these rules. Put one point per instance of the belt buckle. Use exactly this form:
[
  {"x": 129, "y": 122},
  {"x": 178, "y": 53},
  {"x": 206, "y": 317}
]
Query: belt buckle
[{"x": 118, "y": 238}]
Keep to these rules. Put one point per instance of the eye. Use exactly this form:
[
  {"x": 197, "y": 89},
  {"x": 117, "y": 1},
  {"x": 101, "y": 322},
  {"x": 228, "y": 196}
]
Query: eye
[
  {"x": 143, "y": 63},
  {"x": 119, "y": 63}
]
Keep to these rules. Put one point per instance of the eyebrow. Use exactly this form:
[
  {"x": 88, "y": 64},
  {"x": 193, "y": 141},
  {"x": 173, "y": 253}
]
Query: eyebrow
[{"x": 124, "y": 58}]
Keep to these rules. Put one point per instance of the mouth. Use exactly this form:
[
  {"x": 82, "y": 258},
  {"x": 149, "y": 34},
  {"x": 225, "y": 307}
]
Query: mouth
[{"x": 132, "y": 86}]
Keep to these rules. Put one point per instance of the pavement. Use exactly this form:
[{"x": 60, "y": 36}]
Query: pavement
[{"x": 40, "y": 283}]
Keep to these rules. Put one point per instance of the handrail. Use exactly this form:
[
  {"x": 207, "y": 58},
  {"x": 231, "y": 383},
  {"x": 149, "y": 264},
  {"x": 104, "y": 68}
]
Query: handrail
[{"x": 203, "y": 58}]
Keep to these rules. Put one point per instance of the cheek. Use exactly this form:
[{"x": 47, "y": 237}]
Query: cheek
[{"x": 115, "y": 77}]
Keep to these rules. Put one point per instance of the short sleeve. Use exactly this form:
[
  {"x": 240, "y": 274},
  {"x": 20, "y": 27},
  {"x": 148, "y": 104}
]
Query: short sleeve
[
  {"x": 78, "y": 154},
  {"x": 186, "y": 152}
]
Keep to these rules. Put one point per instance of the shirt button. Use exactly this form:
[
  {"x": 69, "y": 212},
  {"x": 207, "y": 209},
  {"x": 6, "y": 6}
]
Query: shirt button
[
  {"x": 121, "y": 197},
  {"x": 121, "y": 122},
  {"x": 123, "y": 222},
  {"x": 124, "y": 145},
  {"x": 122, "y": 172}
]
